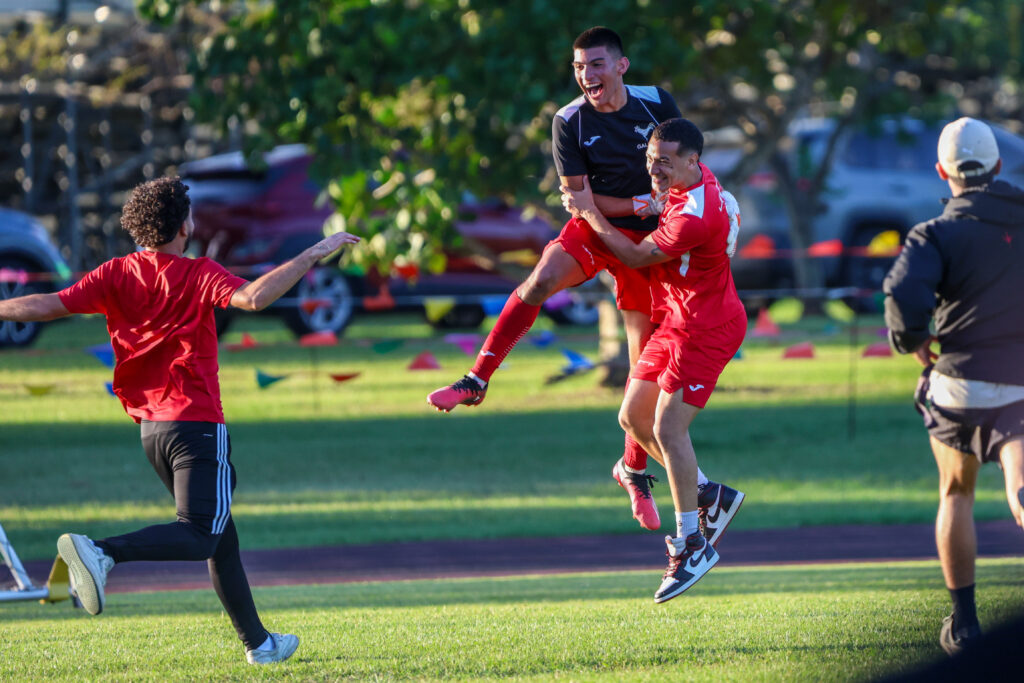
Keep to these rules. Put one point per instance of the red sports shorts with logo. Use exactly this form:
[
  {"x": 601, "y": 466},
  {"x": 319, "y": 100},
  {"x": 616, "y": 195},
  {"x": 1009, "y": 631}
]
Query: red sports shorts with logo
[
  {"x": 691, "y": 361},
  {"x": 632, "y": 290}
]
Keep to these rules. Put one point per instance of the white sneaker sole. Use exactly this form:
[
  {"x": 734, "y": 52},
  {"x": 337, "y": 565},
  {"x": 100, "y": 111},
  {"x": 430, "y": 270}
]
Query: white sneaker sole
[{"x": 90, "y": 594}]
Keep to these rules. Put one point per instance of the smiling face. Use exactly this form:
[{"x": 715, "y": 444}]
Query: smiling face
[
  {"x": 599, "y": 74},
  {"x": 667, "y": 168}
]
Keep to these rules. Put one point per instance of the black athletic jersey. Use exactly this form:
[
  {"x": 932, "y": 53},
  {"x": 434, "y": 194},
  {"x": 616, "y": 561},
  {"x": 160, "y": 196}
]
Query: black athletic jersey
[{"x": 611, "y": 148}]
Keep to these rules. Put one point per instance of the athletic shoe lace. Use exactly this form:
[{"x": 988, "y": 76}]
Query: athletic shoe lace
[
  {"x": 467, "y": 385},
  {"x": 673, "y": 564},
  {"x": 643, "y": 483}
]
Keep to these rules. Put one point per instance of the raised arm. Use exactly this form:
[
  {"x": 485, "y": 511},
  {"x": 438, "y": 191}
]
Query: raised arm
[
  {"x": 268, "y": 288},
  {"x": 33, "y": 308}
]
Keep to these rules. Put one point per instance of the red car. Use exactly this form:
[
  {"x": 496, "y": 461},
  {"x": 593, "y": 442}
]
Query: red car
[{"x": 249, "y": 219}]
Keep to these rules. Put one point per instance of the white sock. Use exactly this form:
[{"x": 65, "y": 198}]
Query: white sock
[
  {"x": 702, "y": 479},
  {"x": 268, "y": 644},
  {"x": 686, "y": 523},
  {"x": 631, "y": 470},
  {"x": 479, "y": 381}
]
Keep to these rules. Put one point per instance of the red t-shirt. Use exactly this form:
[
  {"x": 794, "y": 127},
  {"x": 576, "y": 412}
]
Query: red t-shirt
[
  {"x": 159, "y": 311},
  {"x": 694, "y": 290}
]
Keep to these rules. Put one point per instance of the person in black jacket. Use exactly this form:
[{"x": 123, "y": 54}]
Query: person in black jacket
[{"x": 966, "y": 269}]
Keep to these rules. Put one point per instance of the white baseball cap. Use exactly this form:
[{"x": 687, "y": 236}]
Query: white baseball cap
[{"x": 967, "y": 148}]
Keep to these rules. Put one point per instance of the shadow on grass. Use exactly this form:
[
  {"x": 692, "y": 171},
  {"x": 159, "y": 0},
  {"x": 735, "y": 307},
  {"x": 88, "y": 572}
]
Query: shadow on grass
[{"x": 752, "y": 586}]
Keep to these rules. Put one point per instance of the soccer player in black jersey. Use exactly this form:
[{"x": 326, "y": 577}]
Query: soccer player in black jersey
[{"x": 601, "y": 135}]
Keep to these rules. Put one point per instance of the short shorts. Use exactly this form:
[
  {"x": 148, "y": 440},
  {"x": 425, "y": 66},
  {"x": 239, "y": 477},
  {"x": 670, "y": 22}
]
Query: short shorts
[
  {"x": 632, "y": 290},
  {"x": 978, "y": 431},
  {"x": 678, "y": 359}
]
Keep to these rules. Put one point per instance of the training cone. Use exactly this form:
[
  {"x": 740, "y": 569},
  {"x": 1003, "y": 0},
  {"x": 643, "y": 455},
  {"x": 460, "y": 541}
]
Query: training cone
[
  {"x": 387, "y": 345},
  {"x": 424, "y": 361},
  {"x": 467, "y": 342},
  {"x": 247, "y": 343},
  {"x": 325, "y": 338},
  {"x": 344, "y": 377},
  {"x": 801, "y": 350},
  {"x": 40, "y": 389},
  {"x": 877, "y": 350},
  {"x": 765, "y": 326}
]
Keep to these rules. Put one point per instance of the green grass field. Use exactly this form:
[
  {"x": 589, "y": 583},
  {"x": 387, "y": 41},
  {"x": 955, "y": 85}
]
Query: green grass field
[
  {"x": 815, "y": 623},
  {"x": 369, "y": 461}
]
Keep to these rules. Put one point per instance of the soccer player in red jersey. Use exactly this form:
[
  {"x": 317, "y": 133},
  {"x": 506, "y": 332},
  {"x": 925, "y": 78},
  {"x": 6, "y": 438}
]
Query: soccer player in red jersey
[
  {"x": 600, "y": 135},
  {"x": 159, "y": 309},
  {"x": 700, "y": 326}
]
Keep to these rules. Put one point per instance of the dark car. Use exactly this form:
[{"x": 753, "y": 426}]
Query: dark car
[
  {"x": 882, "y": 182},
  {"x": 248, "y": 219},
  {"x": 29, "y": 264}
]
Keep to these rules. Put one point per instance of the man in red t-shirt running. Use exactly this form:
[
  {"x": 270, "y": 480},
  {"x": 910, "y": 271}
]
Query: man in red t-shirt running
[
  {"x": 159, "y": 310},
  {"x": 701, "y": 324}
]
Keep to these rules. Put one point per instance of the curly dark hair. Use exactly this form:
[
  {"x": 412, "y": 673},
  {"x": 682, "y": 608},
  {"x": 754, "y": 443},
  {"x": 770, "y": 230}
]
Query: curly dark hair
[{"x": 155, "y": 211}]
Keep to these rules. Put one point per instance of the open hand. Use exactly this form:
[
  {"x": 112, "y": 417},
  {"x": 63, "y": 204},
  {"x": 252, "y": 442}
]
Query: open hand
[{"x": 331, "y": 244}]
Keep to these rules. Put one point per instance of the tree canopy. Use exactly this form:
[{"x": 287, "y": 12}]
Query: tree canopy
[{"x": 408, "y": 104}]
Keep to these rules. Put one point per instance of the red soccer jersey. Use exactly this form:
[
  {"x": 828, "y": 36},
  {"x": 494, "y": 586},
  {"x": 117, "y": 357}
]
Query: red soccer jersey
[
  {"x": 159, "y": 311},
  {"x": 694, "y": 290}
]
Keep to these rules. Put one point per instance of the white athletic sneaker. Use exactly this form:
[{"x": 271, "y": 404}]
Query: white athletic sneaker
[
  {"x": 685, "y": 567},
  {"x": 88, "y": 568},
  {"x": 285, "y": 645}
]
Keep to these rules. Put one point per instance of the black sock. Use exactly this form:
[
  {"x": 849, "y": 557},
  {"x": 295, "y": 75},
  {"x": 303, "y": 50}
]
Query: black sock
[{"x": 965, "y": 614}]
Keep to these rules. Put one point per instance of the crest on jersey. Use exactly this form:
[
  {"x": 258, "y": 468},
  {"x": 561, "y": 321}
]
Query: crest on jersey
[{"x": 645, "y": 131}]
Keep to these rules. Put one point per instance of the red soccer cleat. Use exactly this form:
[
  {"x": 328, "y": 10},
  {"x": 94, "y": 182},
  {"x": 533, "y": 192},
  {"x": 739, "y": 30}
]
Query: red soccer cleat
[
  {"x": 638, "y": 486},
  {"x": 466, "y": 392}
]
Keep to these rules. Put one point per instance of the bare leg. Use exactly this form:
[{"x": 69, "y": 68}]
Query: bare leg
[
  {"x": 555, "y": 271},
  {"x": 1011, "y": 457},
  {"x": 637, "y": 415},
  {"x": 954, "y": 525},
  {"x": 672, "y": 431}
]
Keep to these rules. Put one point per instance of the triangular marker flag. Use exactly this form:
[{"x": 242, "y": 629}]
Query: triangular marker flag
[
  {"x": 544, "y": 339},
  {"x": 838, "y": 310},
  {"x": 559, "y": 299},
  {"x": 801, "y": 350},
  {"x": 467, "y": 342},
  {"x": 826, "y": 248},
  {"x": 885, "y": 244},
  {"x": 387, "y": 345},
  {"x": 765, "y": 326},
  {"x": 577, "y": 362},
  {"x": 104, "y": 353},
  {"x": 110, "y": 388},
  {"x": 310, "y": 306},
  {"x": 344, "y": 377},
  {"x": 437, "y": 307},
  {"x": 877, "y": 350},
  {"x": 325, "y": 338},
  {"x": 264, "y": 380},
  {"x": 424, "y": 361},
  {"x": 40, "y": 389},
  {"x": 786, "y": 311},
  {"x": 492, "y": 305}
]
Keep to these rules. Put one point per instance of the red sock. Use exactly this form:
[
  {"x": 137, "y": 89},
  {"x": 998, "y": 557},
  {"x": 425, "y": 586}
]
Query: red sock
[
  {"x": 515, "y": 320},
  {"x": 634, "y": 457}
]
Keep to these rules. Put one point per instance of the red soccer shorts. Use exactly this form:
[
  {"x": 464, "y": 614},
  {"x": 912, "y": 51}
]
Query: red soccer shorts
[
  {"x": 678, "y": 359},
  {"x": 632, "y": 290}
]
